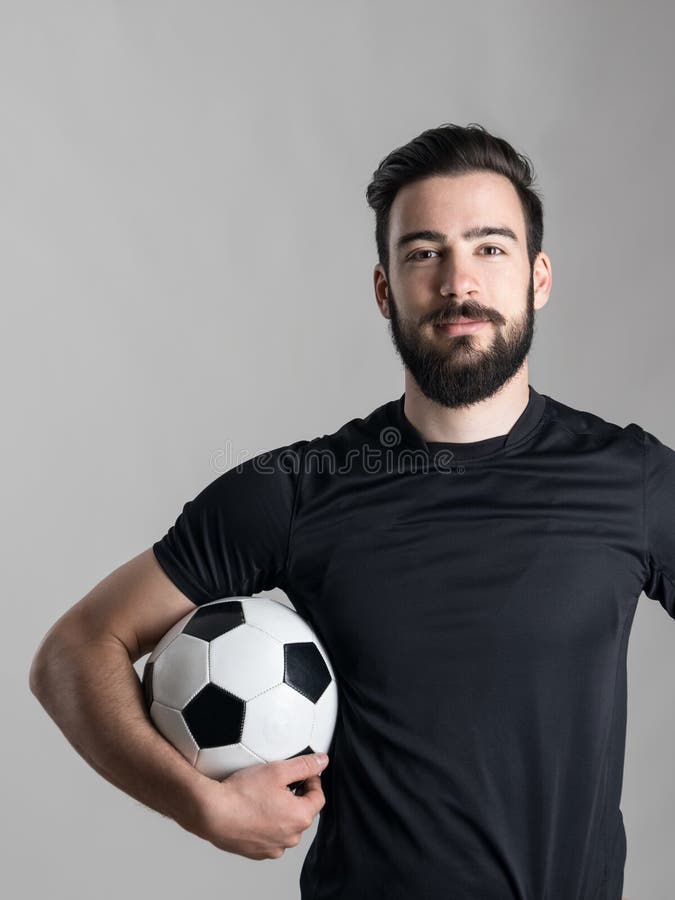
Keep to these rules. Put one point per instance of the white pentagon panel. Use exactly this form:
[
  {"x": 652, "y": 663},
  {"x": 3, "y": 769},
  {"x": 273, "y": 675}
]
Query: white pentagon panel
[
  {"x": 220, "y": 762},
  {"x": 170, "y": 723},
  {"x": 173, "y": 632},
  {"x": 245, "y": 661},
  {"x": 325, "y": 717},
  {"x": 277, "y": 620},
  {"x": 180, "y": 671},
  {"x": 278, "y": 723}
]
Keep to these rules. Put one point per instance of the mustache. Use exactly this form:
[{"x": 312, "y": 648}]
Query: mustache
[{"x": 451, "y": 315}]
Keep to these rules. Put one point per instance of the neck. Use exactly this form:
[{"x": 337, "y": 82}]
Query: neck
[{"x": 488, "y": 418}]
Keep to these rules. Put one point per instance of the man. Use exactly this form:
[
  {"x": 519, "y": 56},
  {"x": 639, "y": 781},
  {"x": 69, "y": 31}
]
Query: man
[{"x": 470, "y": 554}]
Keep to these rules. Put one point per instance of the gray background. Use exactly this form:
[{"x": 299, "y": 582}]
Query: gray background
[{"x": 186, "y": 272}]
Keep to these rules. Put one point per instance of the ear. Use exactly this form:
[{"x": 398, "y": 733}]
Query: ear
[
  {"x": 381, "y": 290},
  {"x": 543, "y": 279}
]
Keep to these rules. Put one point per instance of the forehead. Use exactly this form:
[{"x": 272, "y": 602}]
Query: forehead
[{"x": 453, "y": 203}]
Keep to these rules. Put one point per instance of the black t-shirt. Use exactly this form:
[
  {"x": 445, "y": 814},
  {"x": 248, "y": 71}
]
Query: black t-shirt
[{"x": 476, "y": 602}]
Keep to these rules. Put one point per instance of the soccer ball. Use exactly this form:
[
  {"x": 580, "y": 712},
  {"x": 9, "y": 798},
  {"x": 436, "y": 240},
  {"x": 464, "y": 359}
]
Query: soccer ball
[{"x": 241, "y": 681}]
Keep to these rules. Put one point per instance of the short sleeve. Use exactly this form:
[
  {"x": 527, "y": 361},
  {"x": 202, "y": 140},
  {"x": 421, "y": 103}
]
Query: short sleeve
[
  {"x": 659, "y": 522},
  {"x": 233, "y": 537}
]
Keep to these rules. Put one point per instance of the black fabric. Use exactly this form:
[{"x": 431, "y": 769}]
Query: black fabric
[
  {"x": 476, "y": 606},
  {"x": 473, "y": 449}
]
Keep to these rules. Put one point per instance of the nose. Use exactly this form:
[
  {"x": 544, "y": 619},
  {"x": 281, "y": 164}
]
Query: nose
[{"x": 458, "y": 279}]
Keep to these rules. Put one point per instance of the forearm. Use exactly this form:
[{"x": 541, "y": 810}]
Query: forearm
[{"x": 91, "y": 690}]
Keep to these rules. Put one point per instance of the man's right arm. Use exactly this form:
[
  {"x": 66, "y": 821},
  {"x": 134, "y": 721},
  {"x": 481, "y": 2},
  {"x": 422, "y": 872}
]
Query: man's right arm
[{"x": 83, "y": 675}]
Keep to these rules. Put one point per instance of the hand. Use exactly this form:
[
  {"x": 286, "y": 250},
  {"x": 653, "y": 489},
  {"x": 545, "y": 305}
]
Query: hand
[{"x": 254, "y": 813}]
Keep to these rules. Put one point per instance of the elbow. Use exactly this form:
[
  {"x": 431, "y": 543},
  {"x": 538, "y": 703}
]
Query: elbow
[
  {"x": 40, "y": 673},
  {"x": 37, "y": 674},
  {"x": 61, "y": 637}
]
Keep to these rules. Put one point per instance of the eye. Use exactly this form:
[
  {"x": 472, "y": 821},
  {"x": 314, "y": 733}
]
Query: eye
[
  {"x": 417, "y": 252},
  {"x": 493, "y": 247}
]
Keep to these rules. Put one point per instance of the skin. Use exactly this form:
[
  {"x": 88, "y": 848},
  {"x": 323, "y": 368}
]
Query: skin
[{"x": 474, "y": 386}]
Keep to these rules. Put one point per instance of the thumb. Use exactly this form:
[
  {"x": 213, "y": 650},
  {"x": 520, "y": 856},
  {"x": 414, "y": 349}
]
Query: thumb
[{"x": 300, "y": 767}]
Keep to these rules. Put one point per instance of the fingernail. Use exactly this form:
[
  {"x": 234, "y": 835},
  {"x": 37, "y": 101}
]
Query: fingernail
[{"x": 321, "y": 758}]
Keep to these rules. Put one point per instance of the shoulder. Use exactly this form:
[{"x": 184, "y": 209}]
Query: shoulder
[
  {"x": 321, "y": 451},
  {"x": 592, "y": 426},
  {"x": 352, "y": 436}
]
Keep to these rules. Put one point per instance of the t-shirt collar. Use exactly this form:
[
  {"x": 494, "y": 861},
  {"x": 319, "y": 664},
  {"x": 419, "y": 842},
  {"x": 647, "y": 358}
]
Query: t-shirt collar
[{"x": 528, "y": 419}]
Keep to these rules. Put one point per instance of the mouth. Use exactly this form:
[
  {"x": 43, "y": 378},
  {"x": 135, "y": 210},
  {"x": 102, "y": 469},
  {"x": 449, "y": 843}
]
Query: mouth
[{"x": 462, "y": 326}]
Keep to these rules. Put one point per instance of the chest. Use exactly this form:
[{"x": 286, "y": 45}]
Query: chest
[{"x": 430, "y": 576}]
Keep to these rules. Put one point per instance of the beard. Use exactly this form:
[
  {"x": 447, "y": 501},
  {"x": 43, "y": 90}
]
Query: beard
[{"x": 456, "y": 372}]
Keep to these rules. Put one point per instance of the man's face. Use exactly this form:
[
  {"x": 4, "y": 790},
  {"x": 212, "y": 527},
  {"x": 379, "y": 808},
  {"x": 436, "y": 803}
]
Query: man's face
[{"x": 453, "y": 275}]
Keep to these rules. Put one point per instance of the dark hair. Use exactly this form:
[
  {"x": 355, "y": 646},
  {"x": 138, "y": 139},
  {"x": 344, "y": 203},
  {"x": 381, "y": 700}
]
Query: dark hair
[{"x": 453, "y": 150}]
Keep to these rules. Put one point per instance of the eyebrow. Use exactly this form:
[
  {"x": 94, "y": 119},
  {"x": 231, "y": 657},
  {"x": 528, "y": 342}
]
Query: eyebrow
[{"x": 478, "y": 232}]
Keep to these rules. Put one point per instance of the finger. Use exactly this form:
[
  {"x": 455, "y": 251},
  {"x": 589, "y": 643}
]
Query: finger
[
  {"x": 298, "y": 768},
  {"x": 311, "y": 783},
  {"x": 312, "y": 795}
]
